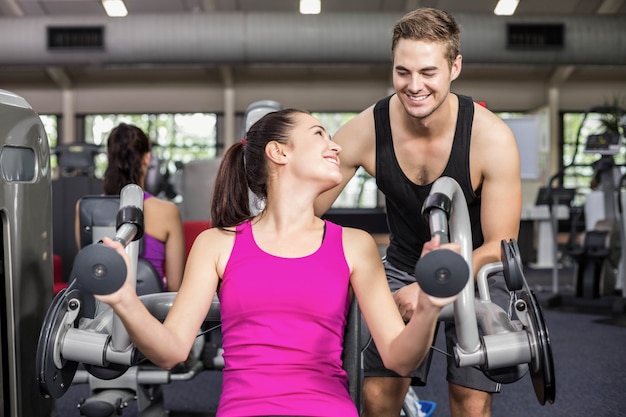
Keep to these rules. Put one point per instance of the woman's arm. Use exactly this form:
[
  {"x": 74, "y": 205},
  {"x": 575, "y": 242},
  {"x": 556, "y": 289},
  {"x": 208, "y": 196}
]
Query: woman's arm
[
  {"x": 174, "y": 249},
  {"x": 168, "y": 344},
  {"x": 402, "y": 347},
  {"x": 77, "y": 224}
]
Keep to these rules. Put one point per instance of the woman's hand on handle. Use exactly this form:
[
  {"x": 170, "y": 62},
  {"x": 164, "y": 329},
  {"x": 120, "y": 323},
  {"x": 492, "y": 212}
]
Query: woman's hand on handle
[
  {"x": 433, "y": 244},
  {"x": 127, "y": 288},
  {"x": 407, "y": 297}
]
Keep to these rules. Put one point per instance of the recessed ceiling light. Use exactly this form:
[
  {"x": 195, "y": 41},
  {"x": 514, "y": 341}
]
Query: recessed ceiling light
[
  {"x": 505, "y": 7},
  {"x": 115, "y": 8},
  {"x": 310, "y": 6}
]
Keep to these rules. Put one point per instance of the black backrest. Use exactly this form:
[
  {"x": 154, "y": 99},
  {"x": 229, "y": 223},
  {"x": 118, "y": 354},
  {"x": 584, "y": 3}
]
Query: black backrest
[
  {"x": 353, "y": 345},
  {"x": 97, "y": 219},
  {"x": 66, "y": 191}
]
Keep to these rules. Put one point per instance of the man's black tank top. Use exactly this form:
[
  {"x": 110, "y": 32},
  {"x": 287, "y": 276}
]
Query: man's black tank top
[{"x": 409, "y": 230}]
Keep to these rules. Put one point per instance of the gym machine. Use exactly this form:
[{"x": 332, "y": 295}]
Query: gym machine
[
  {"x": 597, "y": 256},
  {"x": 26, "y": 274},
  {"x": 620, "y": 304},
  {"x": 508, "y": 348},
  {"x": 79, "y": 330}
]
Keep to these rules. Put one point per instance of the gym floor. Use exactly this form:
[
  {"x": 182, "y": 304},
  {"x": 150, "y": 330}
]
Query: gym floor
[{"x": 588, "y": 341}]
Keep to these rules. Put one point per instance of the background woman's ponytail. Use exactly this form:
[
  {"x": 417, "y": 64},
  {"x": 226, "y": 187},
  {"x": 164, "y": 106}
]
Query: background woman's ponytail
[{"x": 126, "y": 147}]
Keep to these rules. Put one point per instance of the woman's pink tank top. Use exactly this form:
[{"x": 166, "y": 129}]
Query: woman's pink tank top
[{"x": 283, "y": 322}]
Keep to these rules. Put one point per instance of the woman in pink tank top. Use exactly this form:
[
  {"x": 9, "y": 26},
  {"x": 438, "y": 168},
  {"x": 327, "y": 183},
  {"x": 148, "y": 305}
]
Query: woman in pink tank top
[{"x": 284, "y": 279}]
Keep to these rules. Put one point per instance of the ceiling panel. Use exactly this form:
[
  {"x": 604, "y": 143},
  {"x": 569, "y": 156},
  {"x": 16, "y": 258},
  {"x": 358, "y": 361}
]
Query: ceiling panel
[
  {"x": 29, "y": 8},
  {"x": 10, "y": 8},
  {"x": 86, "y": 75}
]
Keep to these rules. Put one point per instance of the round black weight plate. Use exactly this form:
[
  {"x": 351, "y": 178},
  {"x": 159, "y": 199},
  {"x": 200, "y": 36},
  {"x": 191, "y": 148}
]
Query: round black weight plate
[
  {"x": 54, "y": 381},
  {"x": 442, "y": 273},
  {"x": 512, "y": 265},
  {"x": 542, "y": 366},
  {"x": 99, "y": 269},
  {"x": 107, "y": 373}
]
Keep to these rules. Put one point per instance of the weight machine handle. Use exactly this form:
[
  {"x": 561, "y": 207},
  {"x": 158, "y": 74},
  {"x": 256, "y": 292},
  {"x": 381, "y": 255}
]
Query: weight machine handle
[
  {"x": 438, "y": 222},
  {"x": 449, "y": 216}
]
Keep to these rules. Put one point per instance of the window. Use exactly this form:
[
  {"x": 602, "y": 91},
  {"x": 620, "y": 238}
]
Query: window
[
  {"x": 176, "y": 138},
  {"x": 579, "y": 156},
  {"x": 361, "y": 191},
  {"x": 50, "y": 125}
]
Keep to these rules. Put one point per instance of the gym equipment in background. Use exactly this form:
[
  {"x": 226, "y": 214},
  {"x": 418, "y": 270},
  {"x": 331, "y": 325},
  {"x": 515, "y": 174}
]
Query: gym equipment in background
[
  {"x": 78, "y": 329},
  {"x": 597, "y": 255}
]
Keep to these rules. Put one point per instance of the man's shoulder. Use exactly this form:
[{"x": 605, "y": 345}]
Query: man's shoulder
[
  {"x": 488, "y": 125},
  {"x": 360, "y": 127}
]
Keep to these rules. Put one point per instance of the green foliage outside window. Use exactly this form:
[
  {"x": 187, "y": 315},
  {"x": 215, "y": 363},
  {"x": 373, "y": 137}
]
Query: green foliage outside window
[
  {"x": 580, "y": 171},
  {"x": 50, "y": 125},
  {"x": 180, "y": 138},
  {"x": 176, "y": 138},
  {"x": 361, "y": 191}
]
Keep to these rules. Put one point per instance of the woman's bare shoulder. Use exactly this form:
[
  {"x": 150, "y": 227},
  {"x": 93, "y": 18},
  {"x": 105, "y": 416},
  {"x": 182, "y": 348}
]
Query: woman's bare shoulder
[
  {"x": 216, "y": 238},
  {"x": 213, "y": 244},
  {"x": 358, "y": 243},
  {"x": 165, "y": 206}
]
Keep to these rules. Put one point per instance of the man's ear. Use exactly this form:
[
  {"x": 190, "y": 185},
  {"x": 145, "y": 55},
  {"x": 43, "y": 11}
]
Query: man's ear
[
  {"x": 274, "y": 152},
  {"x": 456, "y": 67}
]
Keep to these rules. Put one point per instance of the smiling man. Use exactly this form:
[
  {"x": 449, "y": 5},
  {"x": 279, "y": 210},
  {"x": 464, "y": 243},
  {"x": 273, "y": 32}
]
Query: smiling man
[{"x": 408, "y": 140}]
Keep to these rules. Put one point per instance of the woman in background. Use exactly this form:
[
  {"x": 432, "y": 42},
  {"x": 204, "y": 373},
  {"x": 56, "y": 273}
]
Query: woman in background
[{"x": 128, "y": 152}]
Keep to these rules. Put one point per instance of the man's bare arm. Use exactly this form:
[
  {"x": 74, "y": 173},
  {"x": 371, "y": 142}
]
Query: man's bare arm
[{"x": 501, "y": 193}]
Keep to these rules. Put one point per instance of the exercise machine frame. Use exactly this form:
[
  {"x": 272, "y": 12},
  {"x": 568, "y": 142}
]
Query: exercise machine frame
[{"x": 507, "y": 347}]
